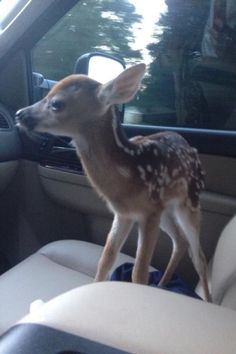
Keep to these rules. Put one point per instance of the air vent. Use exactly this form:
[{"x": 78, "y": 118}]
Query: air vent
[{"x": 4, "y": 124}]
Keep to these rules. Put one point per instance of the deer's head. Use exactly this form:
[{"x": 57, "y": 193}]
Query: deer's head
[{"x": 78, "y": 101}]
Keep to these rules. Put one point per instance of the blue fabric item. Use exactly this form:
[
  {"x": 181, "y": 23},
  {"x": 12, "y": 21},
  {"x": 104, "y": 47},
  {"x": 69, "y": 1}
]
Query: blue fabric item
[{"x": 176, "y": 284}]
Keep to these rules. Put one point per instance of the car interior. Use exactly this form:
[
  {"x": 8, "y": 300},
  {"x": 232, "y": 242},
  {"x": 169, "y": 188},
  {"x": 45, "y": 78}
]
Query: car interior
[{"x": 53, "y": 225}]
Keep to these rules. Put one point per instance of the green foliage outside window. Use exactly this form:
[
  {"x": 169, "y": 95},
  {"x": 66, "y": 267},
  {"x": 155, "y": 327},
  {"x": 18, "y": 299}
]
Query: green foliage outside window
[
  {"x": 183, "y": 86},
  {"x": 90, "y": 26}
]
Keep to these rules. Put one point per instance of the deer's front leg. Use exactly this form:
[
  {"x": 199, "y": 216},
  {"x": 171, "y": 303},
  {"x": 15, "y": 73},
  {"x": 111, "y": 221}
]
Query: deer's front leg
[
  {"x": 148, "y": 234},
  {"x": 119, "y": 231}
]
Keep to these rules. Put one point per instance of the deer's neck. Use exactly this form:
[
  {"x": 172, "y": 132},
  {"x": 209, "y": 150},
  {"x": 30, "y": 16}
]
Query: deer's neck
[
  {"x": 104, "y": 139},
  {"x": 104, "y": 150}
]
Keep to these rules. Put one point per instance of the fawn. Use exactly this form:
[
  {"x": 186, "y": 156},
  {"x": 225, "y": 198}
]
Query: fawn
[{"x": 152, "y": 180}]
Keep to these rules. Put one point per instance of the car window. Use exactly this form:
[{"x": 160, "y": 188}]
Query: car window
[{"x": 189, "y": 48}]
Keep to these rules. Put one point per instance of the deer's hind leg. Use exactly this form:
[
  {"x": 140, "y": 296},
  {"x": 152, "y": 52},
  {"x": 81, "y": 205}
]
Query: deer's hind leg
[
  {"x": 170, "y": 226},
  {"x": 189, "y": 220}
]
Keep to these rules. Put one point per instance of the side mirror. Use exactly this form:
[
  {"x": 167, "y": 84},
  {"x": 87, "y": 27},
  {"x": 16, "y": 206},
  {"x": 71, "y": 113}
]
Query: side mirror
[
  {"x": 104, "y": 69},
  {"x": 100, "y": 67}
]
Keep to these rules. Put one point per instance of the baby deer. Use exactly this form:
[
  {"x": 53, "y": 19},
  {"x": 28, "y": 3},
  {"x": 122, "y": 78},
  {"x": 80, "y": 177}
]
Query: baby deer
[{"x": 153, "y": 180}]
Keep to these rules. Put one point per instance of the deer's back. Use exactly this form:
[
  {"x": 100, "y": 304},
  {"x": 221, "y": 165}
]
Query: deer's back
[{"x": 166, "y": 162}]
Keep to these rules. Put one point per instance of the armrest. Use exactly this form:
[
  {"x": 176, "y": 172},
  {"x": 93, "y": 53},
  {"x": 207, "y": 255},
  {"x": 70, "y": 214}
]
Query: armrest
[{"x": 140, "y": 319}]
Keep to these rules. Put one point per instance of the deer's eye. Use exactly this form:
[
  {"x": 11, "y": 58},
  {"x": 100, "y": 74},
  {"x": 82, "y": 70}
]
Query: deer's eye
[{"x": 57, "y": 105}]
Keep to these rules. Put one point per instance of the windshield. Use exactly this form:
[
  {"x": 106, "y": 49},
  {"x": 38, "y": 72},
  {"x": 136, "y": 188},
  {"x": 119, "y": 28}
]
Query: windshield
[{"x": 9, "y": 10}]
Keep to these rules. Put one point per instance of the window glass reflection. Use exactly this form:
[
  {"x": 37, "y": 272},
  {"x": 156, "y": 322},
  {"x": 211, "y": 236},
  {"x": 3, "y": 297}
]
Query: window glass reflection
[{"x": 189, "y": 47}]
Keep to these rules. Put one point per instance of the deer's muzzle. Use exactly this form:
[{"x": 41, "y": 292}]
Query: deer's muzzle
[{"x": 25, "y": 119}]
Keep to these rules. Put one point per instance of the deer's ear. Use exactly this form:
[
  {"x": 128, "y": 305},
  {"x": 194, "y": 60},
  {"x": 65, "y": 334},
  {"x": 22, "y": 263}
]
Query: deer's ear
[{"x": 123, "y": 88}]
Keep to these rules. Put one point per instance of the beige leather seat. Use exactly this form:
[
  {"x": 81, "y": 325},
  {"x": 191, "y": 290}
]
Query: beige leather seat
[
  {"x": 223, "y": 274},
  {"x": 138, "y": 319},
  {"x": 222, "y": 269},
  {"x": 64, "y": 265},
  {"x": 54, "y": 269}
]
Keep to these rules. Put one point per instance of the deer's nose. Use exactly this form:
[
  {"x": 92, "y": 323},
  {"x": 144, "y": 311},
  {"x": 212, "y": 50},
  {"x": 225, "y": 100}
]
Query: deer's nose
[
  {"x": 19, "y": 113},
  {"x": 22, "y": 115},
  {"x": 25, "y": 119}
]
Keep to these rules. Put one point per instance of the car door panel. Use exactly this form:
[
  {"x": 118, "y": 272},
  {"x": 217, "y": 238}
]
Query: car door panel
[
  {"x": 10, "y": 148},
  {"x": 72, "y": 190},
  {"x": 7, "y": 171},
  {"x": 219, "y": 197}
]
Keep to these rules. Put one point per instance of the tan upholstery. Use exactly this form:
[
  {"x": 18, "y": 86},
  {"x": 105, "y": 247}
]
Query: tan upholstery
[
  {"x": 135, "y": 317},
  {"x": 54, "y": 269},
  {"x": 141, "y": 319},
  {"x": 224, "y": 268}
]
